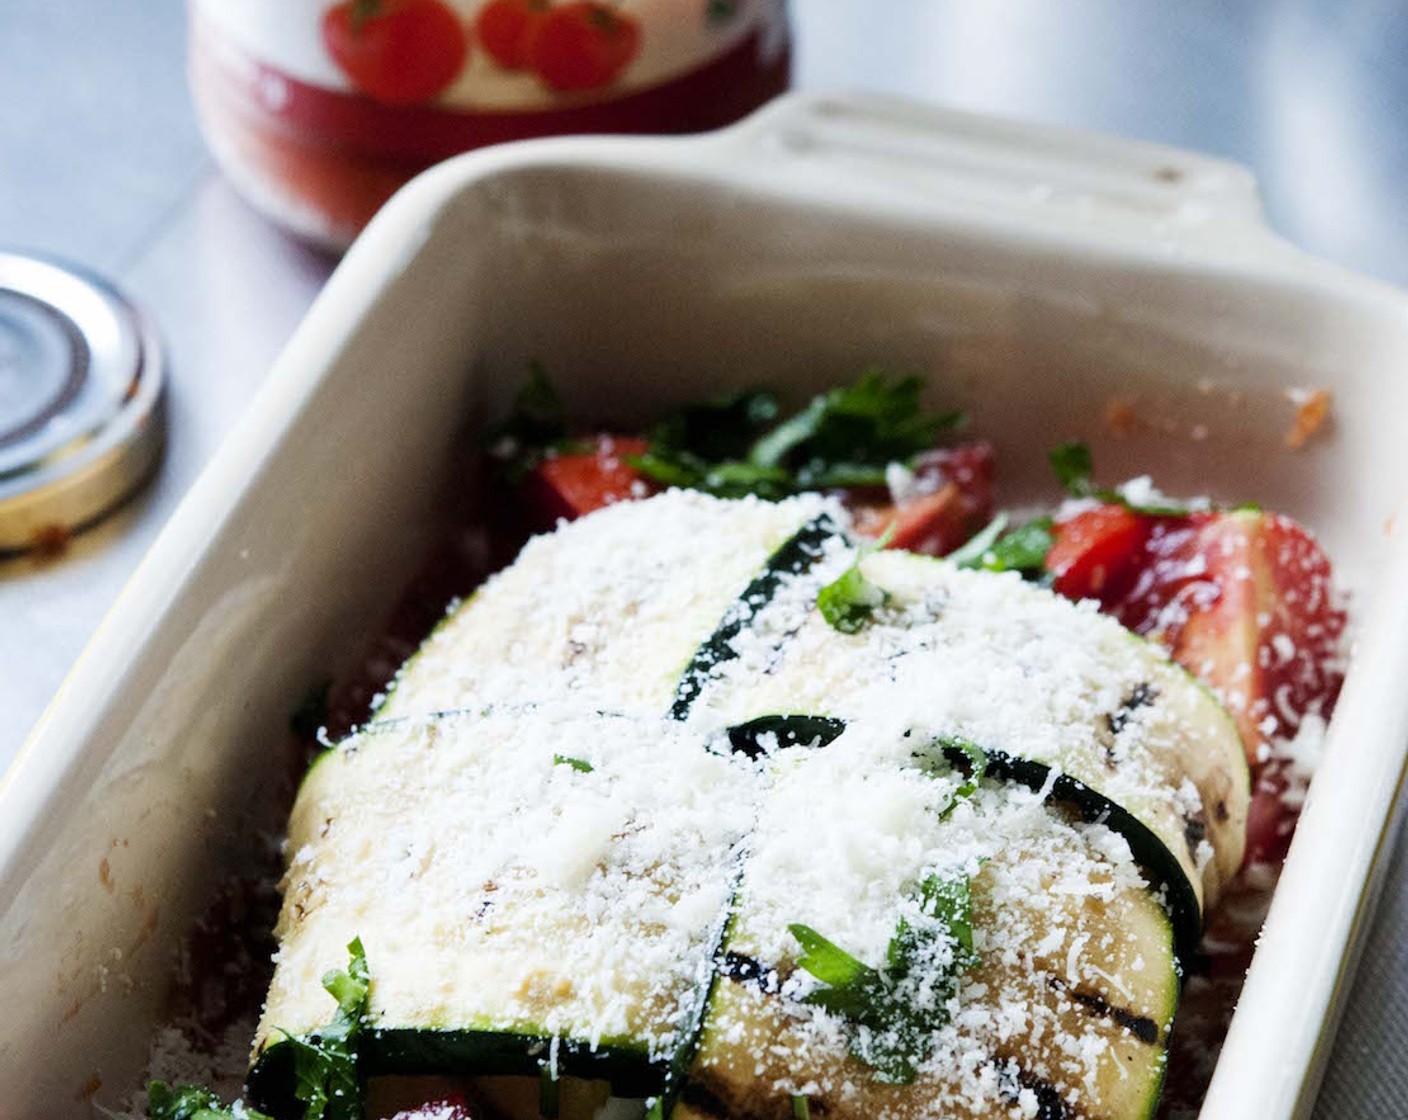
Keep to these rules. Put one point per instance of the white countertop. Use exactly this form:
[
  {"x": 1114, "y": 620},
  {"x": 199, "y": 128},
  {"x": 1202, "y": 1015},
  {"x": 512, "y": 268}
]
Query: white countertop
[{"x": 101, "y": 163}]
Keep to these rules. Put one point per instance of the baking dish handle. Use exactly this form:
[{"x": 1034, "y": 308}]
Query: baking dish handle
[{"x": 1103, "y": 190}]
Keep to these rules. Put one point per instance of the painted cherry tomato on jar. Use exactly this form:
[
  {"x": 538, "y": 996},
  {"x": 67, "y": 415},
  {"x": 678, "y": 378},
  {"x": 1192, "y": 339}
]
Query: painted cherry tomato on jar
[
  {"x": 583, "y": 44},
  {"x": 399, "y": 51},
  {"x": 319, "y": 110}
]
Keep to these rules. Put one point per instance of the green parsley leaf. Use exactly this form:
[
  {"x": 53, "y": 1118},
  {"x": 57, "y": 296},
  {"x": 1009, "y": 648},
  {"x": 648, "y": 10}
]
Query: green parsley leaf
[
  {"x": 581, "y": 765},
  {"x": 872, "y": 422},
  {"x": 720, "y": 429},
  {"x": 971, "y": 553},
  {"x": 1074, "y": 466},
  {"x": 894, "y": 1033},
  {"x": 842, "y": 439},
  {"x": 977, "y": 759},
  {"x": 326, "y": 1076},
  {"x": 850, "y": 600},
  {"x": 1022, "y": 550},
  {"x": 536, "y": 418},
  {"x": 191, "y": 1102}
]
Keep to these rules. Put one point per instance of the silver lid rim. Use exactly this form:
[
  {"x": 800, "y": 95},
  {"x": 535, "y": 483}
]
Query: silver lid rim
[{"x": 75, "y": 484}]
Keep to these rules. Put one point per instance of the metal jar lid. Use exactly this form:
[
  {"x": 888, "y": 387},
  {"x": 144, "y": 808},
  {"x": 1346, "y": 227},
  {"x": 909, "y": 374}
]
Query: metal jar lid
[{"x": 81, "y": 385}]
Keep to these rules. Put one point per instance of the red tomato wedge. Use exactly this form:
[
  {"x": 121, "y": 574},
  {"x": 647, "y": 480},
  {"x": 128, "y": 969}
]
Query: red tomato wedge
[
  {"x": 568, "y": 486},
  {"x": 1243, "y": 600},
  {"x": 443, "y": 1108},
  {"x": 956, "y": 502},
  {"x": 1094, "y": 552}
]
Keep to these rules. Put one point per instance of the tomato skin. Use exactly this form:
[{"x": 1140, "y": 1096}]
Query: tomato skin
[
  {"x": 505, "y": 27},
  {"x": 453, "y": 1107},
  {"x": 569, "y": 486},
  {"x": 582, "y": 45},
  {"x": 958, "y": 502},
  {"x": 402, "y": 52},
  {"x": 1093, "y": 553}
]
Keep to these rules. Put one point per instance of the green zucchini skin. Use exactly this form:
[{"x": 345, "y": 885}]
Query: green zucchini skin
[
  {"x": 1164, "y": 872},
  {"x": 791, "y": 731},
  {"x": 794, "y": 558},
  {"x": 631, "y": 1072}
]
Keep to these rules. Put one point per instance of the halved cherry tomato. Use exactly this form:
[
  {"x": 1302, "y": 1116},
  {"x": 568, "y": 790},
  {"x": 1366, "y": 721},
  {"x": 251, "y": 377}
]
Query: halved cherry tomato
[
  {"x": 453, "y": 1107},
  {"x": 1245, "y": 601},
  {"x": 956, "y": 504},
  {"x": 398, "y": 51},
  {"x": 505, "y": 27},
  {"x": 581, "y": 45},
  {"x": 1094, "y": 552},
  {"x": 568, "y": 486}
]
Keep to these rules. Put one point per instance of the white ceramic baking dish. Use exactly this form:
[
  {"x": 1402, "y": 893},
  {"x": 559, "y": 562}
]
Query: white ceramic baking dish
[{"x": 1033, "y": 275}]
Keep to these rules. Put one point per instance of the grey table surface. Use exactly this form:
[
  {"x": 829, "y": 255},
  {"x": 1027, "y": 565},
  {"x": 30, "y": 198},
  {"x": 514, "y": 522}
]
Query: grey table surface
[{"x": 101, "y": 162}]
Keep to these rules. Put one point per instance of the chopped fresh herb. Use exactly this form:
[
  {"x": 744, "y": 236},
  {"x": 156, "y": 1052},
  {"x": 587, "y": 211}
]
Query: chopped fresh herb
[
  {"x": 581, "y": 765},
  {"x": 850, "y": 601},
  {"x": 311, "y": 715},
  {"x": 972, "y": 553},
  {"x": 1074, "y": 466},
  {"x": 801, "y": 1109},
  {"x": 895, "y": 1031},
  {"x": 871, "y": 422},
  {"x": 1022, "y": 550},
  {"x": 844, "y": 438},
  {"x": 326, "y": 1076},
  {"x": 720, "y": 429},
  {"x": 536, "y": 419},
  {"x": 977, "y": 760},
  {"x": 656, "y": 1109},
  {"x": 190, "y": 1102}
]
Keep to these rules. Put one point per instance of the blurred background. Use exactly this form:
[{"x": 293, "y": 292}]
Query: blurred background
[{"x": 102, "y": 163}]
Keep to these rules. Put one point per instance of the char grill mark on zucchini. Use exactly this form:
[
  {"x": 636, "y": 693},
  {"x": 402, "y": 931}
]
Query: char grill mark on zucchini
[
  {"x": 610, "y": 607},
  {"x": 794, "y": 558},
  {"x": 1157, "y": 750},
  {"x": 741, "y": 1070}
]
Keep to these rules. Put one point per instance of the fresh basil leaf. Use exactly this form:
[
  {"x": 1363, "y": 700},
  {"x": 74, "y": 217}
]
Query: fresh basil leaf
[
  {"x": 581, "y": 765},
  {"x": 192, "y": 1102}
]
